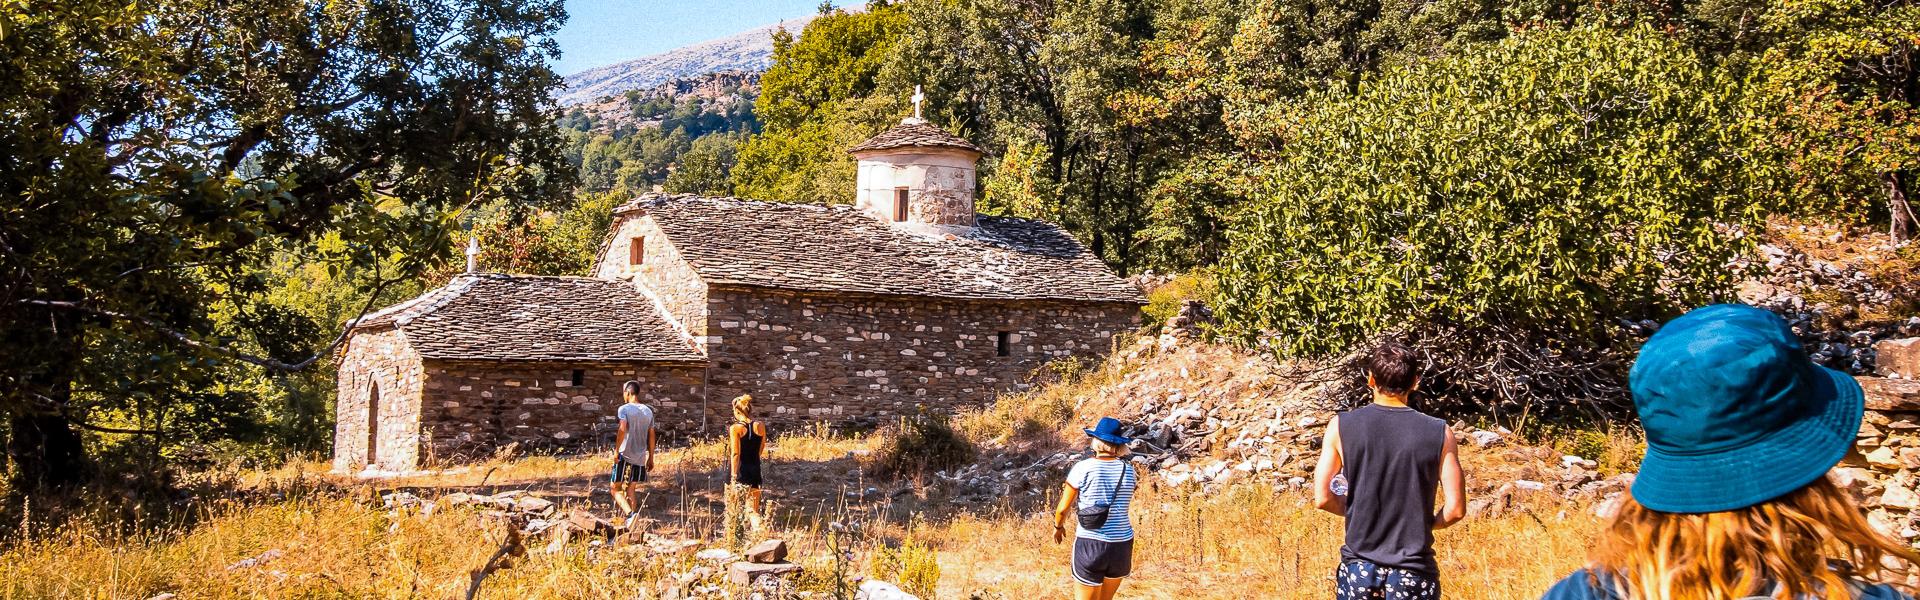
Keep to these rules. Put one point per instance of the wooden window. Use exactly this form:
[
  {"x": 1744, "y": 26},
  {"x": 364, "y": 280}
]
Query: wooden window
[
  {"x": 637, "y": 250},
  {"x": 1003, "y": 345},
  {"x": 900, "y": 204},
  {"x": 579, "y": 377}
]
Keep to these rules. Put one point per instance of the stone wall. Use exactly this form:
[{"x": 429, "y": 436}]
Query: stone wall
[
  {"x": 1885, "y": 472},
  {"x": 470, "y": 409},
  {"x": 846, "y": 358},
  {"x": 377, "y": 364},
  {"x": 663, "y": 275}
]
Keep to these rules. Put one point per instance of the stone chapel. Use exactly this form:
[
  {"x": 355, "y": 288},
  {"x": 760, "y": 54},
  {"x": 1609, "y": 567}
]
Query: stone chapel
[{"x": 906, "y": 300}]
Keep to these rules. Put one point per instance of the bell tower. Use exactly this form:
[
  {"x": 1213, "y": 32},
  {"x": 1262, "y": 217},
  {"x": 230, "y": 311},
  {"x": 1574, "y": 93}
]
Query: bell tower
[{"x": 917, "y": 174}]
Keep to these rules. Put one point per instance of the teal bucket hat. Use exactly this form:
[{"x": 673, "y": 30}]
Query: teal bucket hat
[{"x": 1735, "y": 413}]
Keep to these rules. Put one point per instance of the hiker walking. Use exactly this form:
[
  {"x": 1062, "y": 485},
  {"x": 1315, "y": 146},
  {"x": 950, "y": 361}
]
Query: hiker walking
[
  {"x": 633, "y": 452},
  {"x": 1392, "y": 457},
  {"x": 1732, "y": 498},
  {"x": 1097, "y": 494},
  {"x": 746, "y": 444}
]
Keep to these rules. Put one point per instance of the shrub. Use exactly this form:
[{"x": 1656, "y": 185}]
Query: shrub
[
  {"x": 1164, "y": 301},
  {"x": 917, "y": 445},
  {"x": 1553, "y": 181},
  {"x": 912, "y": 565}
]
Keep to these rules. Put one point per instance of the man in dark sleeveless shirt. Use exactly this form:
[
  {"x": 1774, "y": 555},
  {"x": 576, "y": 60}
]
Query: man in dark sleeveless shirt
[{"x": 1392, "y": 457}]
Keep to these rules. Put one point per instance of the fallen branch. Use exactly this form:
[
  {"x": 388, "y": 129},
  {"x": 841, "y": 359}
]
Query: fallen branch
[{"x": 510, "y": 547}]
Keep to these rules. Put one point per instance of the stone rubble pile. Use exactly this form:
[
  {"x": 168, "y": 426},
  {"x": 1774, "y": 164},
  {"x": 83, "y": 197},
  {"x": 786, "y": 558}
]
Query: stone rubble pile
[{"x": 1811, "y": 293}]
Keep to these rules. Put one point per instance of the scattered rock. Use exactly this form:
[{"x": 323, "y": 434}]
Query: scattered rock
[
  {"x": 768, "y": 552},
  {"x": 874, "y": 589},
  {"x": 1898, "y": 358},
  {"x": 715, "y": 555},
  {"x": 745, "y": 573},
  {"x": 260, "y": 559},
  {"x": 1484, "y": 438}
]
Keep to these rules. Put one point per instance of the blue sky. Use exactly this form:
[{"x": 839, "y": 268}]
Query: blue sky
[{"x": 603, "y": 32}]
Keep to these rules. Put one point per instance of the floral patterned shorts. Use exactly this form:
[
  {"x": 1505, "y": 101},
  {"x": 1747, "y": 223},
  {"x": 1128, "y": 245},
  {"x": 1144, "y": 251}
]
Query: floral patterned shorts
[{"x": 1361, "y": 580}]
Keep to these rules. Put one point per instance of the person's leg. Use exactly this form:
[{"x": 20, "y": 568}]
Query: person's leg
[
  {"x": 618, "y": 486},
  {"x": 1119, "y": 564},
  {"x": 754, "y": 517}
]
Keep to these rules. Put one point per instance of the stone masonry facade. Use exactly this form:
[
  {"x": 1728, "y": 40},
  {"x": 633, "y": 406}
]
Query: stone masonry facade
[
  {"x": 663, "y": 275},
  {"x": 851, "y": 358},
  {"x": 378, "y": 372},
  {"x": 471, "y": 408}
]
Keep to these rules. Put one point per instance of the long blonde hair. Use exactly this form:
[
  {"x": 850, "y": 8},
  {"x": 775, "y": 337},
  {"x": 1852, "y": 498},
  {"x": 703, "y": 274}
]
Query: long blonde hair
[{"x": 1811, "y": 543}]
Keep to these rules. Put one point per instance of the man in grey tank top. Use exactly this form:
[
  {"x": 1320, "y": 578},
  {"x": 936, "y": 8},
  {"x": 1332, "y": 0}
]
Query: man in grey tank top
[{"x": 1393, "y": 458}]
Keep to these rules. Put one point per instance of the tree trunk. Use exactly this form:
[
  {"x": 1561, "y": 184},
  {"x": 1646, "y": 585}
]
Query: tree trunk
[
  {"x": 45, "y": 449},
  {"x": 1900, "y": 211},
  {"x": 46, "y": 452}
]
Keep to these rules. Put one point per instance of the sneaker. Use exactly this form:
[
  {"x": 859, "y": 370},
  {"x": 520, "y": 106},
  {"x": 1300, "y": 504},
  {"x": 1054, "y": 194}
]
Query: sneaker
[{"x": 631, "y": 518}]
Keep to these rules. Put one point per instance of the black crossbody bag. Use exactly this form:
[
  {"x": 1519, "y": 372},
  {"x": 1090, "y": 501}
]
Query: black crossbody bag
[{"x": 1095, "y": 517}]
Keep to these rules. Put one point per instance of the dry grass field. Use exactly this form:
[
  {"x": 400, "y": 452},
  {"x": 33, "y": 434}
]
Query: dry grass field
[{"x": 311, "y": 535}]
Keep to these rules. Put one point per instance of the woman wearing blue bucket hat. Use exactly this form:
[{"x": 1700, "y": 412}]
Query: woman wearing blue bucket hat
[
  {"x": 1098, "y": 492},
  {"x": 1732, "y": 499}
]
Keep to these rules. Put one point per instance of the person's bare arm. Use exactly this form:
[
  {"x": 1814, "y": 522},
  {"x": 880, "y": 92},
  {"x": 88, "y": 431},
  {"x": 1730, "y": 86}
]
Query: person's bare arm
[
  {"x": 733, "y": 450},
  {"x": 620, "y": 437},
  {"x": 651, "y": 438},
  {"x": 1069, "y": 496},
  {"x": 1330, "y": 465},
  {"x": 761, "y": 428},
  {"x": 1453, "y": 486}
]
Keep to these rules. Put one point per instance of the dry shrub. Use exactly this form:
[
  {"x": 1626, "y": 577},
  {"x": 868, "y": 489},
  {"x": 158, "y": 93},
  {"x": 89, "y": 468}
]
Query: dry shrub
[
  {"x": 918, "y": 445},
  {"x": 913, "y": 565},
  {"x": 1505, "y": 374}
]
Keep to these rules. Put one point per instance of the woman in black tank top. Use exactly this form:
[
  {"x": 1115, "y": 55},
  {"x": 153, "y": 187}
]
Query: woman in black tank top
[{"x": 747, "y": 440}]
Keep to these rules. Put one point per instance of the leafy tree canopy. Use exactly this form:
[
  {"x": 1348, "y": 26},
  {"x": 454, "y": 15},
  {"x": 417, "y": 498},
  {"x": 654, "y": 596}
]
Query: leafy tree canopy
[
  {"x": 154, "y": 154},
  {"x": 1549, "y": 180}
]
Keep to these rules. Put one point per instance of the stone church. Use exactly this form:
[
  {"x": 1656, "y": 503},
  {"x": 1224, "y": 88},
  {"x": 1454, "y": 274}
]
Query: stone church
[{"x": 904, "y": 301}]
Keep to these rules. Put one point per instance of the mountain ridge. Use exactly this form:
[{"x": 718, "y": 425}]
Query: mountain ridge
[{"x": 750, "y": 51}]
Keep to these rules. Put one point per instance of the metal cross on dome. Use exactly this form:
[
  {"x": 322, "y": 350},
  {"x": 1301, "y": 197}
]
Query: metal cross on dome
[{"x": 917, "y": 99}]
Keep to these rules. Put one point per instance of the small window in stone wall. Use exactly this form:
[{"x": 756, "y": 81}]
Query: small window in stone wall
[
  {"x": 900, "y": 204},
  {"x": 1003, "y": 344},
  {"x": 579, "y": 377},
  {"x": 637, "y": 250}
]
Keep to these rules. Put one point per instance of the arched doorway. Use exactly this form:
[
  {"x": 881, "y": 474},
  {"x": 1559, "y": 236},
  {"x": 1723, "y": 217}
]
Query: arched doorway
[{"x": 373, "y": 424}]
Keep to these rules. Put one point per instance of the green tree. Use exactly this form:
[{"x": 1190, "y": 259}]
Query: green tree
[
  {"x": 159, "y": 152},
  {"x": 816, "y": 101},
  {"x": 1549, "y": 181},
  {"x": 705, "y": 167}
]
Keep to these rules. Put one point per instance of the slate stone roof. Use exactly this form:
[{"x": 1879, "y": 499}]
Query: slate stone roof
[
  {"x": 915, "y": 134},
  {"x": 530, "y": 318},
  {"x": 839, "y": 249}
]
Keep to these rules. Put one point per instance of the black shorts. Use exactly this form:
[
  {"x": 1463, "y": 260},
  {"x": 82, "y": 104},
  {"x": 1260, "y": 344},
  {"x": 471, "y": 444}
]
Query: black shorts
[
  {"x": 624, "y": 471},
  {"x": 1095, "y": 561}
]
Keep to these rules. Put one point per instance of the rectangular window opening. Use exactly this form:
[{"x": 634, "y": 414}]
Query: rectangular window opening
[
  {"x": 579, "y": 377},
  {"x": 637, "y": 250},
  {"x": 1003, "y": 344},
  {"x": 900, "y": 204}
]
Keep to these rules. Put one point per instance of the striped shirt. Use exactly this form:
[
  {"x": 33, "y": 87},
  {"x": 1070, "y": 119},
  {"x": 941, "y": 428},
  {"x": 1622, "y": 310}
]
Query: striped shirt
[{"x": 1095, "y": 479}]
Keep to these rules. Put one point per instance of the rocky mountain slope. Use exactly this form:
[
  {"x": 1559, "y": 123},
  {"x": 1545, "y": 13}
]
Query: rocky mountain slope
[
  {"x": 750, "y": 50},
  {"x": 718, "y": 93}
]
